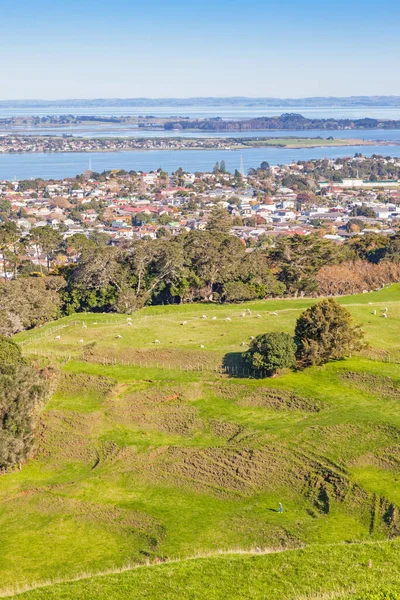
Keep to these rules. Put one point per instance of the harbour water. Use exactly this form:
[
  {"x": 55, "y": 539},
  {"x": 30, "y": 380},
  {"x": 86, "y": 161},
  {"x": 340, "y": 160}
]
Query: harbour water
[
  {"x": 69, "y": 164},
  {"x": 225, "y": 112},
  {"x": 124, "y": 131}
]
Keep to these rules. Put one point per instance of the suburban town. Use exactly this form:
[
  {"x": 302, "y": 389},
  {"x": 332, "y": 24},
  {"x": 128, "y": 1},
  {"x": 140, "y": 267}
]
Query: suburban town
[
  {"x": 21, "y": 144},
  {"x": 272, "y": 201}
]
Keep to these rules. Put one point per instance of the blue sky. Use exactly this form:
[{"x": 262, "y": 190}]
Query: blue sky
[{"x": 170, "y": 48}]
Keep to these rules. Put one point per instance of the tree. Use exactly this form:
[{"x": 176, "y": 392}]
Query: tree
[
  {"x": 219, "y": 221},
  {"x": 222, "y": 167},
  {"x": 22, "y": 392},
  {"x": 216, "y": 168},
  {"x": 298, "y": 258},
  {"x": 271, "y": 352},
  {"x": 48, "y": 240},
  {"x": 326, "y": 332},
  {"x": 355, "y": 225},
  {"x": 363, "y": 211}
]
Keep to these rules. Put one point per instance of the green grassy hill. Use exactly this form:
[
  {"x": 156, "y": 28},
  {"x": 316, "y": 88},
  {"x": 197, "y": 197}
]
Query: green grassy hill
[{"x": 157, "y": 456}]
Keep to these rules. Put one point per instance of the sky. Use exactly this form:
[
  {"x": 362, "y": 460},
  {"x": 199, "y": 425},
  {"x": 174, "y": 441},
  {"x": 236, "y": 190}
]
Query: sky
[{"x": 173, "y": 48}]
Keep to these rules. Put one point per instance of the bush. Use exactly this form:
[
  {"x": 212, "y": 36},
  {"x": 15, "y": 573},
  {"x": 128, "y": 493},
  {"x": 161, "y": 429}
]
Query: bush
[
  {"x": 325, "y": 332},
  {"x": 10, "y": 354},
  {"x": 271, "y": 352},
  {"x": 22, "y": 391}
]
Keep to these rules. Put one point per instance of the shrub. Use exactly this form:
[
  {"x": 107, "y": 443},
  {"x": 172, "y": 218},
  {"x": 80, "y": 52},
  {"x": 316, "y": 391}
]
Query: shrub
[
  {"x": 22, "y": 391},
  {"x": 271, "y": 352},
  {"x": 10, "y": 354},
  {"x": 325, "y": 332}
]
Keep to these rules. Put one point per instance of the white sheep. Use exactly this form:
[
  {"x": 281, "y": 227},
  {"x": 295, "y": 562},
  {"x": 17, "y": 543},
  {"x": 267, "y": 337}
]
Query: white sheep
[
  {"x": 128, "y": 319},
  {"x": 57, "y": 337},
  {"x": 384, "y": 315},
  {"x": 385, "y": 309},
  {"x": 259, "y": 317},
  {"x": 156, "y": 341},
  {"x": 214, "y": 319},
  {"x": 80, "y": 342},
  {"x": 129, "y": 324},
  {"x": 275, "y": 314},
  {"x": 95, "y": 323},
  {"x": 119, "y": 337},
  {"x": 248, "y": 311},
  {"x": 374, "y": 312},
  {"x": 84, "y": 326},
  {"x": 243, "y": 314},
  {"x": 228, "y": 319},
  {"x": 184, "y": 322},
  {"x": 252, "y": 337},
  {"x": 243, "y": 344},
  {"x": 204, "y": 317},
  {"x": 201, "y": 346}
]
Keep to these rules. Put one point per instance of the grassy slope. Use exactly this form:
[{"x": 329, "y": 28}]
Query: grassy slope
[
  {"x": 136, "y": 463},
  {"x": 339, "y": 570}
]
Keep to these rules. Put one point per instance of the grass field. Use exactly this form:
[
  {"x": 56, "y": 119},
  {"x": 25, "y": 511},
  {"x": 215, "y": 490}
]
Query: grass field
[{"x": 160, "y": 457}]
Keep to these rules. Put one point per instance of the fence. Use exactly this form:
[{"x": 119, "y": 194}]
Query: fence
[
  {"x": 231, "y": 370},
  {"x": 51, "y": 330},
  {"x": 381, "y": 355}
]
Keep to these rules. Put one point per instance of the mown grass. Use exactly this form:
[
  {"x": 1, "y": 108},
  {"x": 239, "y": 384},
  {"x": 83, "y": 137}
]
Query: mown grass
[{"x": 138, "y": 463}]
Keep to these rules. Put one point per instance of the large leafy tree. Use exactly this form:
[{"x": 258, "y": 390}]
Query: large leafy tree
[
  {"x": 270, "y": 352},
  {"x": 298, "y": 258},
  {"x": 326, "y": 332}
]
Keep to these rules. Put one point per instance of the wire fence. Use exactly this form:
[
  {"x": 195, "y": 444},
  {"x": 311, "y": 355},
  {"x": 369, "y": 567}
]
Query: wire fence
[{"x": 49, "y": 331}]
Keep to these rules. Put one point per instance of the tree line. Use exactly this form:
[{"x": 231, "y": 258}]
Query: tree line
[{"x": 197, "y": 266}]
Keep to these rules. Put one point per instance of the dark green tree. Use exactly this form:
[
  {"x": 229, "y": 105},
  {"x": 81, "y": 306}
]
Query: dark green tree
[
  {"x": 326, "y": 332},
  {"x": 271, "y": 352}
]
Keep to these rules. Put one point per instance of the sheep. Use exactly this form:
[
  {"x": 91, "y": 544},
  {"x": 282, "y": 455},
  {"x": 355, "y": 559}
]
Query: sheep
[
  {"x": 119, "y": 337},
  {"x": 385, "y": 309},
  {"x": 57, "y": 337},
  {"x": 384, "y": 315},
  {"x": 214, "y": 319},
  {"x": 374, "y": 312},
  {"x": 252, "y": 337},
  {"x": 201, "y": 346},
  {"x": 204, "y": 317},
  {"x": 243, "y": 344},
  {"x": 128, "y": 319},
  {"x": 243, "y": 314},
  {"x": 129, "y": 324},
  {"x": 248, "y": 311},
  {"x": 95, "y": 323},
  {"x": 80, "y": 342},
  {"x": 84, "y": 326},
  {"x": 275, "y": 314},
  {"x": 156, "y": 341},
  {"x": 259, "y": 317}
]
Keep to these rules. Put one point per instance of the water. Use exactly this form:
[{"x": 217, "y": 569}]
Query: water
[
  {"x": 65, "y": 164},
  {"x": 225, "y": 112},
  {"x": 123, "y": 131}
]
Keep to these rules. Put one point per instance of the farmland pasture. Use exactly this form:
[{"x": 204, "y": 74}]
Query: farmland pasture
[{"x": 157, "y": 455}]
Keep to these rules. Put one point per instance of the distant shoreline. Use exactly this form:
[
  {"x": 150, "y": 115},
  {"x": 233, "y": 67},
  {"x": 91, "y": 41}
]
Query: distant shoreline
[{"x": 77, "y": 144}]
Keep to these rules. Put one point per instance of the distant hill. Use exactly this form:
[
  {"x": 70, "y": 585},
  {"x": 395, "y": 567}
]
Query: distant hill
[{"x": 329, "y": 101}]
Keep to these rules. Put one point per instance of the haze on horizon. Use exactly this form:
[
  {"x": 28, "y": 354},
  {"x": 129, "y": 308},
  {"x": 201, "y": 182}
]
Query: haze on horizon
[{"x": 262, "y": 48}]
